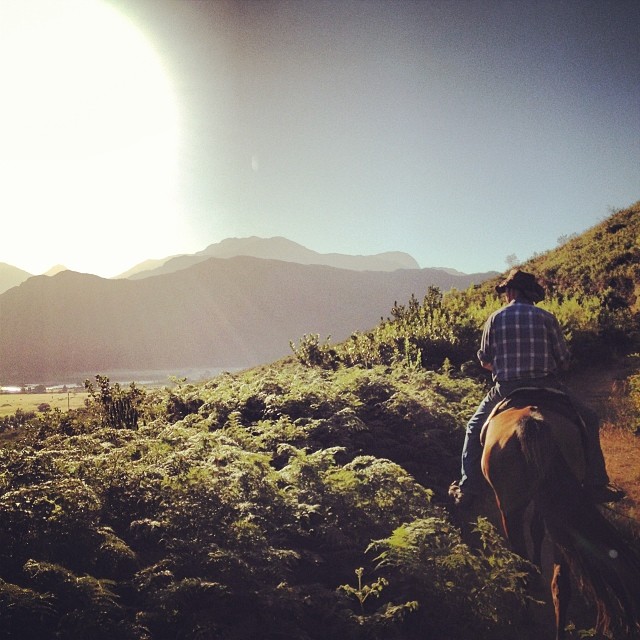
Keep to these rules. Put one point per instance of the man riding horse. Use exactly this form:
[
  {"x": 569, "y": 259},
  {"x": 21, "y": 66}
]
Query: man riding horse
[{"x": 523, "y": 346}]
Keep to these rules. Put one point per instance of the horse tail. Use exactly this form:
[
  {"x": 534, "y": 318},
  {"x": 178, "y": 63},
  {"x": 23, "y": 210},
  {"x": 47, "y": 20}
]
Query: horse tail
[{"x": 606, "y": 567}]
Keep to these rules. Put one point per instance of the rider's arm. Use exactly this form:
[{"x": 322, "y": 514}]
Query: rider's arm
[{"x": 485, "y": 353}]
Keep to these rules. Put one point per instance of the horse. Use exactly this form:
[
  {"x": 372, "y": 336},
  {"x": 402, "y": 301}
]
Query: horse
[{"x": 533, "y": 454}]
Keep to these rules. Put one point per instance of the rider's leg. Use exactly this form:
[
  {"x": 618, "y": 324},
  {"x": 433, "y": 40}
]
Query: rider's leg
[
  {"x": 471, "y": 478},
  {"x": 596, "y": 477}
]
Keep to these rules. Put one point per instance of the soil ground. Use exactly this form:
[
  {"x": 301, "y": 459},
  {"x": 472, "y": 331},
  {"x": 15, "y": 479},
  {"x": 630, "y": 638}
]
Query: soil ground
[{"x": 605, "y": 391}]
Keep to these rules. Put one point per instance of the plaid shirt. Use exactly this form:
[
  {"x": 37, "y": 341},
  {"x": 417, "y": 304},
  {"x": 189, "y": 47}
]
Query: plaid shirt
[{"x": 522, "y": 341}]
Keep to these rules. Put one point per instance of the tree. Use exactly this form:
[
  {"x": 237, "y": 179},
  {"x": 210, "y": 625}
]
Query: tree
[{"x": 512, "y": 260}]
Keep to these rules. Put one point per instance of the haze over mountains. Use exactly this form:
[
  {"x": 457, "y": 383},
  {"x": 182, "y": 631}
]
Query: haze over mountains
[
  {"x": 214, "y": 309},
  {"x": 277, "y": 248},
  {"x": 11, "y": 276}
]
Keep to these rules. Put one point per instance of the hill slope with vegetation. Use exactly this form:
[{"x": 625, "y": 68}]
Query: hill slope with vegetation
[{"x": 304, "y": 499}]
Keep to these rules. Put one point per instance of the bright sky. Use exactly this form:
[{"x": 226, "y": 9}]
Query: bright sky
[{"x": 459, "y": 131}]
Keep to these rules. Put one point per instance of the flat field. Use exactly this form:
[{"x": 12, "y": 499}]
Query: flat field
[{"x": 11, "y": 402}]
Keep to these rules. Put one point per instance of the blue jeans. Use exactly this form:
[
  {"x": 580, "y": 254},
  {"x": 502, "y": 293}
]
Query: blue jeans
[{"x": 471, "y": 478}]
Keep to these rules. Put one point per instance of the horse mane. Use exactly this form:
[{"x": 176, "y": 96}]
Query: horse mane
[{"x": 606, "y": 567}]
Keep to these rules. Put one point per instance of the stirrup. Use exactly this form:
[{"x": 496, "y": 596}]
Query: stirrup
[{"x": 606, "y": 493}]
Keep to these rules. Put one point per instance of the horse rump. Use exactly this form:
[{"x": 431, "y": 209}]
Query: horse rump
[{"x": 606, "y": 567}]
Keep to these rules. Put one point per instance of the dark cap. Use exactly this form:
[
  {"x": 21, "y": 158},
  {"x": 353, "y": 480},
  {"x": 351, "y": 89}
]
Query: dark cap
[{"x": 524, "y": 282}]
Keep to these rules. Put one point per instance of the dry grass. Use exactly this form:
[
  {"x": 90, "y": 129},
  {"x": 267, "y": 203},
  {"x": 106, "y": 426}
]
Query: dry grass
[{"x": 11, "y": 402}]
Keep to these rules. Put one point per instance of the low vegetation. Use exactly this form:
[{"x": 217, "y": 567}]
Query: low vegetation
[
  {"x": 303, "y": 499},
  {"x": 284, "y": 500}
]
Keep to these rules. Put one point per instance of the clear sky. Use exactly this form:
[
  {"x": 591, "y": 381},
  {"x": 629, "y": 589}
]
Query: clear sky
[{"x": 458, "y": 131}]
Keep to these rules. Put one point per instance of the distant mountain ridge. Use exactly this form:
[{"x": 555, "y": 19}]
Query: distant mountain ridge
[
  {"x": 276, "y": 248},
  {"x": 11, "y": 276},
  {"x": 225, "y": 313},
  {"x": 55, "y": 270}
]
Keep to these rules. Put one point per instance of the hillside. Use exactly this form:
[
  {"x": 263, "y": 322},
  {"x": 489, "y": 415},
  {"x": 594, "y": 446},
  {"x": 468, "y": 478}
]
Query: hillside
[
  {"x": 222, "y": 313},
  {"x": 305, "y": 498},
  {"x": 256, "y": 505},
  {"x": 603, "y": 261}
]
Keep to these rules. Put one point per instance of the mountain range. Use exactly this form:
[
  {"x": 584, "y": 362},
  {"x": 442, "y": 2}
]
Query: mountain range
[
  {"x": 276, "y": 248},
  {"x": 200, "y": 311},
  {"x": 11, "y": 276}
]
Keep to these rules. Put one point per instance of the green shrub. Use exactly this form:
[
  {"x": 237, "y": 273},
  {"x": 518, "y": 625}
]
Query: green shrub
[{"x": 460, "y": 593}]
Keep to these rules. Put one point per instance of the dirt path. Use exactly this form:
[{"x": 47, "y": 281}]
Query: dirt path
[{"x": 604, "y": 390}]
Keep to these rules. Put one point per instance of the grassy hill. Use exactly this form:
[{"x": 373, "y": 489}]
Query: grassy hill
[
  {"x": 592, "y": 283},
  {"x": 604, "y": 261},
  {"x": 303, "y": 499}
]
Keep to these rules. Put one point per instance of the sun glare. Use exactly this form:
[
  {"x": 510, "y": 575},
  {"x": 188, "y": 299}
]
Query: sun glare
[{"x": 88, "y": 140}]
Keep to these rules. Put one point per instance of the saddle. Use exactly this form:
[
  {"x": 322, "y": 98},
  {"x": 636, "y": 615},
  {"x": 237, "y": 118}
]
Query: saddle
[{"x": 552, "y": 399}]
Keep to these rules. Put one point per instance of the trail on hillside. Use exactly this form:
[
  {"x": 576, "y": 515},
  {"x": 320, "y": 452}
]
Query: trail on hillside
[{"x": 604, "y": 390}]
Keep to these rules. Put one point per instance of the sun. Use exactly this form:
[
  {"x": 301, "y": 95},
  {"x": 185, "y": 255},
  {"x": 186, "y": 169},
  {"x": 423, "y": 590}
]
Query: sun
[{"x": 89, "y": 137}]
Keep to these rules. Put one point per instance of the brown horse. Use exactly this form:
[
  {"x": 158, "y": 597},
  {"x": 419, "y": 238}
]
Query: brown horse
[{"x": 534, "y": 453}]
